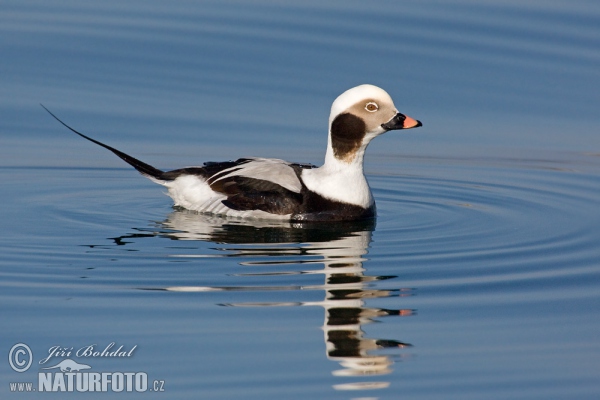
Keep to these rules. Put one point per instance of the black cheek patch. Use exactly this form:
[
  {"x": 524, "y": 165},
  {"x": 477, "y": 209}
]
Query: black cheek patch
[{"x": 347, "y": 133}]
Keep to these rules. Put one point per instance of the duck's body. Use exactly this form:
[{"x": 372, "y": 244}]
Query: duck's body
[
  {"x": 267, "y": 188},
  {"x": 257, "y": 188}
]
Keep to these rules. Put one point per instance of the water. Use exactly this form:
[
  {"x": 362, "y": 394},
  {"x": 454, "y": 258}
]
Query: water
[{"x": 479, "y": 278}]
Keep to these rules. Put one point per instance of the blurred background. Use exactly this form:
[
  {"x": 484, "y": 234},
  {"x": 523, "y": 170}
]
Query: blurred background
[{"x": 191, "y": 79}]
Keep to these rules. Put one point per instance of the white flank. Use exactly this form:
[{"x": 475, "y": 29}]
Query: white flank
[{"x": 193, "y": 193}]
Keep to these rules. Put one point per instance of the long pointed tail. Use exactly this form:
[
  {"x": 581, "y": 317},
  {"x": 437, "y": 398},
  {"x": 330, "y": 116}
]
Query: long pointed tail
[{"x": 143, "y": 168}]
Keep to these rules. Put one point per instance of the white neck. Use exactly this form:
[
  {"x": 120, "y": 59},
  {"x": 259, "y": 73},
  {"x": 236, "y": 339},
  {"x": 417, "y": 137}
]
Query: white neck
[{"x": 340, "y": 180}]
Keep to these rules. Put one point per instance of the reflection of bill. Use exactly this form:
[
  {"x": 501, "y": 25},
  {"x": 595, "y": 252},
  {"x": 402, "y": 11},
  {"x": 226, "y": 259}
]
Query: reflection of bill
[{"x": 340, "y": 248}]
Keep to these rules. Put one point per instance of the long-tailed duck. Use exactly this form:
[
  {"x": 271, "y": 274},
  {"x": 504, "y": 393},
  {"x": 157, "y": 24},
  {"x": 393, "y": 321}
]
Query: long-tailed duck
[{"x": 268, "y": 188}]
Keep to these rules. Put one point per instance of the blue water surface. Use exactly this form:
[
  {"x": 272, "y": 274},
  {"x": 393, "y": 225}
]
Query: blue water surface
[{"x": 480, "y": 277}]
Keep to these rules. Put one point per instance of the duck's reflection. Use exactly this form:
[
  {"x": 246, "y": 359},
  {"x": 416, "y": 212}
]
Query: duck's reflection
[{"x": 338, "y": 250}]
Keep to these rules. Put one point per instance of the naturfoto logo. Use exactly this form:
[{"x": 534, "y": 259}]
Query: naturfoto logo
[{"x": 59, "y": 372}]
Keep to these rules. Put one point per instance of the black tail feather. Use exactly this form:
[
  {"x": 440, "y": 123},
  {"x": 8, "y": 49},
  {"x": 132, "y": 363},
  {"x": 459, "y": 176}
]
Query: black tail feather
[{"x": 142, "y": 167}]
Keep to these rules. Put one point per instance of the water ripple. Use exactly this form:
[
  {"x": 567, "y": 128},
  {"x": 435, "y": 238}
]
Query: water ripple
[{"x": 450, "y": 227}]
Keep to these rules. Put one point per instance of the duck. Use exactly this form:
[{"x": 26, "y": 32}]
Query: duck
[{"x": 273, "y": 189}]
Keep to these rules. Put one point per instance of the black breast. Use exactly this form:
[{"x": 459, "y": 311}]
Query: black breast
[{"x": 315, "y": 207}]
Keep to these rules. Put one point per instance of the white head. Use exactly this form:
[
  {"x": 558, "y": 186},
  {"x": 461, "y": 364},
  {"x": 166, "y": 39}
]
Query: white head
[{"x": 357, "y": 116}]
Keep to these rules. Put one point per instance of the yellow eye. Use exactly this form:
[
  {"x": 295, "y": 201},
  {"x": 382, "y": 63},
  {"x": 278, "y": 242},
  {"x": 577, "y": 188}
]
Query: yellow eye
[{"x": 371, "y": 107}]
